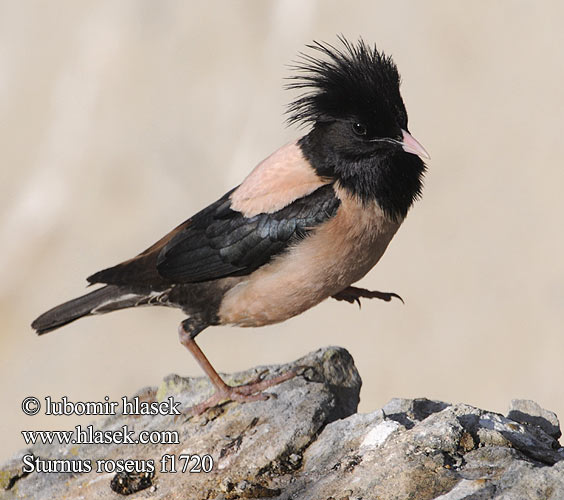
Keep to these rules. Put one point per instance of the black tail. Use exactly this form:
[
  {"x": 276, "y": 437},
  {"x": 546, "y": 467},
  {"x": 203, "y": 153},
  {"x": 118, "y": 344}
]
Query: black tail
[{"x": 105, "y": 299}]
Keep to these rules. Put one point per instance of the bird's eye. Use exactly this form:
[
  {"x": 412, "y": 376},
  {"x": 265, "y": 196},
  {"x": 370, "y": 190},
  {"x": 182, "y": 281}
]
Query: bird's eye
[{"x": 359, "y": 129}]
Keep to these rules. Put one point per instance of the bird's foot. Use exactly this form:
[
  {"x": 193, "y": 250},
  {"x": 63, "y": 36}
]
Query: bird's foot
[
  {"x": 242, "y": 393},
  {"x": 353, "y": 294}
]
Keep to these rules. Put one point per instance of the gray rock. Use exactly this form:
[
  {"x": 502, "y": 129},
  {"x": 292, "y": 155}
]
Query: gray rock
[
  {"x": 308, "y": 443},
  {"x": 252, "y": 445},
  {"x": 409, "y": 411},
  {"x": 526, "y": 411},
  {"x": 452, "y": 452}
]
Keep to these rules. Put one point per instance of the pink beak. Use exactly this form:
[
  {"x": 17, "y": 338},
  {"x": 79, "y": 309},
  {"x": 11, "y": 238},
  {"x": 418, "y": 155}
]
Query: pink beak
[{"x": 412, "y": 145}]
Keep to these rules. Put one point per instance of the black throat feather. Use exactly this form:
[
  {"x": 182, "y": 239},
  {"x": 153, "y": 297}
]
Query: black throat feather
[{"x": 394, "y": 179}]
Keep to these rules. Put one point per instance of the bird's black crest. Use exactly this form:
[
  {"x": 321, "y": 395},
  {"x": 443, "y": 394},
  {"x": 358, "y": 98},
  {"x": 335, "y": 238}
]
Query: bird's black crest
[{"x": 345, "y": 83}]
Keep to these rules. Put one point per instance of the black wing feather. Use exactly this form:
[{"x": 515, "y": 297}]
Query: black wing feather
[{"x": 221, "y": 242}]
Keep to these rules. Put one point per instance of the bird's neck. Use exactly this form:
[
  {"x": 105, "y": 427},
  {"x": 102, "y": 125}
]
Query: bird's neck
[
  {"x": 393, "y": 178},
  {"x": 319, "y": 153}
]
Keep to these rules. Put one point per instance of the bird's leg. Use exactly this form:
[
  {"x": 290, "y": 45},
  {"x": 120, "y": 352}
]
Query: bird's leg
[
  {"x": 243, "y": 393},
  {"x": 353, "y": 294}
]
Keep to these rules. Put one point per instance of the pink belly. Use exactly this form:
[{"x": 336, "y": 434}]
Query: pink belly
[{"x": 338, "y": 254}]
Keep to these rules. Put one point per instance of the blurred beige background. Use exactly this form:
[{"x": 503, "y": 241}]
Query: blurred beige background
[{"x": 118, "y": 120}]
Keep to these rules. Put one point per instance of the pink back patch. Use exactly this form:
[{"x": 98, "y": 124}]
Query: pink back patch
[{"x": 276, "y": 182}]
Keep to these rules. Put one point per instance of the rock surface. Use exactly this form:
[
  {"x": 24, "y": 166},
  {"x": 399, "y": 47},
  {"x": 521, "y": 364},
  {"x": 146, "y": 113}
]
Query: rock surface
[{"x": 309, "y": 443}]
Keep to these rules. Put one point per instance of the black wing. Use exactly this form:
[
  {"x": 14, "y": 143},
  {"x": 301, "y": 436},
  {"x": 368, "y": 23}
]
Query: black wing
[{"x": 219, "y": 241}]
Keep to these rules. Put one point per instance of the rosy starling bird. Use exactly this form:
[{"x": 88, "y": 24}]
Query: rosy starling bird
[{"x": 308, "y": 222}]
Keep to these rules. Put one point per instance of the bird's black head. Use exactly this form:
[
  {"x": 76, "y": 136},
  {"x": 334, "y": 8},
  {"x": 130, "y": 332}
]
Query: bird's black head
[{"x": 359, "y": 134}]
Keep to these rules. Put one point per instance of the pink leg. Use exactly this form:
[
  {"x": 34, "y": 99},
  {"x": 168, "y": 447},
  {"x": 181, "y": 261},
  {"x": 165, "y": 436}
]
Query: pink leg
[{"x": 224, "y": 392}]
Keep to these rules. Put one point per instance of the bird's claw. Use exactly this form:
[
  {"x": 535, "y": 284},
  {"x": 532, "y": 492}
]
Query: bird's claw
[
  {"x": 353, "y": 294},
  {"x": 243, "y": 393}
]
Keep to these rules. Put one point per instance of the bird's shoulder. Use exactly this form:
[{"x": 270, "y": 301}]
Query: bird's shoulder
[{"x": 285, "y": 176}]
